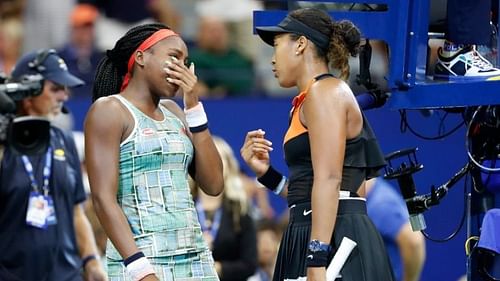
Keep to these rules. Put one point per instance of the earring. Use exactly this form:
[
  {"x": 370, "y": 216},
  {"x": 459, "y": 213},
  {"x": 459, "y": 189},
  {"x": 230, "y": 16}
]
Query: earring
[{"x": 297, "y": 53}]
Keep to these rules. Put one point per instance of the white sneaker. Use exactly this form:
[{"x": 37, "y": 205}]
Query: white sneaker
[{"x": 466, "y": 64}]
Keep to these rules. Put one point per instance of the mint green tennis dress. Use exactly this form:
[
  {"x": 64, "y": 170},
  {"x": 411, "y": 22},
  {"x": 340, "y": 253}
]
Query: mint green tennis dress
[{"x": 154, "y": 195}]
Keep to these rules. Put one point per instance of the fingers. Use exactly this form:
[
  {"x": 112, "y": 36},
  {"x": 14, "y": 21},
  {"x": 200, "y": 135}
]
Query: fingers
[
  {"x": 256, "y": 145},
  {"x": 255, "y": 149},
  {"x": 249, "y": 139},
  {"x": 260, "y": 146},
  {"x": 180, "y": 75},
  {"x": 255, "y": 134},
  {"x": 173, "y": 74},
  {"x": 178, "y": 82},
  {"x": 191, "y": 67},
  {"x": 256, "y": 139},
  {"x": 177, "y": 69}
]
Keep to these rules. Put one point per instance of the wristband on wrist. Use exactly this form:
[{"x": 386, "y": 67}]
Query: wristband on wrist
[
  {"x": 273, "y": 180},
  {"x": 86, "y": 260},
  {"x": 318, "y": 253},
  {"x": 317, "y": 259},
  {"x": 138, "y": 266},
  {"x": 199, "y": 128},
  {"x": 280, "y": 186},
  {"x": 133, "y": 258},
  {"x": 196, "y": 118}
]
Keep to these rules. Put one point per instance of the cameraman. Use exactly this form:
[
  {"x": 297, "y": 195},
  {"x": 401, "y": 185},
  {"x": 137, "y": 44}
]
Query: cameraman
[{"x": 45, "y": 234}]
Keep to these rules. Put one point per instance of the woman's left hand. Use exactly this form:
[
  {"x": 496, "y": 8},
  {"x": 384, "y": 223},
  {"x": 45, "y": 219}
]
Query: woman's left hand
[
  {"x": 184, "y": 77},
  {"x": 316, "y": 274}
]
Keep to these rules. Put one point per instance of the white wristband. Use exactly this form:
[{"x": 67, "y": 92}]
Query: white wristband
[
  {"x": 196, "y": 116},
  {"x": 139, "y": 269}
]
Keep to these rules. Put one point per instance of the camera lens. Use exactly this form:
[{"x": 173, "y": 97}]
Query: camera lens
[{"x": 29, "y": 135}]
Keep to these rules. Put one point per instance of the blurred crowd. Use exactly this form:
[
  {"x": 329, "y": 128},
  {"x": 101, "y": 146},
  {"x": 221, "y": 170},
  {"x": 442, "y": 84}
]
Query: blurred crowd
[{"x": 229, "y": 59}]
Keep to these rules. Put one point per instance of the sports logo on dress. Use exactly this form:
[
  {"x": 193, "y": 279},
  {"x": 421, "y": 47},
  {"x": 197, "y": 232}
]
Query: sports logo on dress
[{"x": 147, "y": 132}]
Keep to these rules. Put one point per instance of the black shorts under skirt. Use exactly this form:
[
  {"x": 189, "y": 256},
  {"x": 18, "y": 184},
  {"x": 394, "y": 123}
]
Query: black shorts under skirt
[{"x": 367, "y": 262}]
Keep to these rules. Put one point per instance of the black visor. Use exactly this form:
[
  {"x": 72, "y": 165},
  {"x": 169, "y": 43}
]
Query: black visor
[{"x": 291, "y": 25}]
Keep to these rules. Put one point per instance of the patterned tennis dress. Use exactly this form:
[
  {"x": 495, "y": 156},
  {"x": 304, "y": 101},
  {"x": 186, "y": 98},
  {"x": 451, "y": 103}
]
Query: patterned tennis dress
[{"x": 154, "y": 195}]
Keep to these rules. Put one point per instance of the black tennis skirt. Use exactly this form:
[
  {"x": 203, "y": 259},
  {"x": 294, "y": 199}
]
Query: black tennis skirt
[{"x": 367, "y": 262}]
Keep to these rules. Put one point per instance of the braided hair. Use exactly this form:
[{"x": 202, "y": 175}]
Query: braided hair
[{"x": 113, "y": 66}]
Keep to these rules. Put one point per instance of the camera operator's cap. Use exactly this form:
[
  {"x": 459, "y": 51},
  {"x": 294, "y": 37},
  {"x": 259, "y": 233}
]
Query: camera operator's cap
[
  {"x": 49, "y": 65},
  {"x": 83, "y": 14},
  {"x": 291, "y": 25}
]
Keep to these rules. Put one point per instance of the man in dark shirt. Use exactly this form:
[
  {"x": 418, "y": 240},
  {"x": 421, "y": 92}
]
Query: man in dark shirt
[
  {"x": 80, "y": 53},
  {"x": 45, "y": 234},
  {"x": 222, "y": 70}
]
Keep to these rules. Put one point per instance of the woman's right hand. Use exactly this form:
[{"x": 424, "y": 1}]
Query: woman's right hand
[{"x": 255, "y": 151}]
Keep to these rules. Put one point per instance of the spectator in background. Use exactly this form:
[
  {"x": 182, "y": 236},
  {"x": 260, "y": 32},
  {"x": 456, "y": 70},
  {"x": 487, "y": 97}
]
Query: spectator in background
[
  {"x": 268, "y": 234},
  {"x": 11, "y": 8},
  {"x": 11, "y": 36},
  {"x": 387, "y": 209},
  {"x": 118, "y": 16},
  {"x": 222, "y": 70},
  {"x": 80, "y": 53},
  {"x": 82, "y": 57},
  {"x": 238, "y": 16},
  {"x": 225, "y": 221},
  {"x": 46, "y": 23}
]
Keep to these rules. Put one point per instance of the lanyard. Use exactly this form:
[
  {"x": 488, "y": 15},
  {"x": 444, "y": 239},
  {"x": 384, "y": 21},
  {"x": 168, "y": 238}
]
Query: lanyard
[
  {"x": 214, "y": 228},
  {"x": 46, "y": 172}
]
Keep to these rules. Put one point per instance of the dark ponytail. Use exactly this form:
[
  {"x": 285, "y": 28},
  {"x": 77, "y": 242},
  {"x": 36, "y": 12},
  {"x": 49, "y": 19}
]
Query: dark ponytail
[
  {"x": 344, "y": 42},
  {"x": 113, "y": 67}
]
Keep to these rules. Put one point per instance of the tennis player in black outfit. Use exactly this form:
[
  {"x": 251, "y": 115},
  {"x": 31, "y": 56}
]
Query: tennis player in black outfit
[{"x": 330, "y": 151}]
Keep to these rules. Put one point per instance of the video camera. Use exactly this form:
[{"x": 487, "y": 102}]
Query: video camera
[{"x": 25, "y": 134}]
